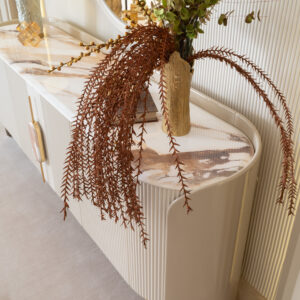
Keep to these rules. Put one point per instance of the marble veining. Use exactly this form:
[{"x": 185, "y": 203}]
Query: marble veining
[{"x": 211, "y": 152}]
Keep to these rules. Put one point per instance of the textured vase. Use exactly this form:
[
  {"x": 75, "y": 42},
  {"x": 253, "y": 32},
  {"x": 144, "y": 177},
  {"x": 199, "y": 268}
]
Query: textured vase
[
  {"x": 178, "y": 78},
  {"x": 29, "y": 11}
]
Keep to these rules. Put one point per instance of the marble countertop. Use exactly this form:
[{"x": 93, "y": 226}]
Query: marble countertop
[
  {"x": 61, "y": 89},
  {"x": 211, "y": 152}
]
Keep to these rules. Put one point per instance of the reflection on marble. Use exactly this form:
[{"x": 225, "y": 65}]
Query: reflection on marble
[
  {"x": 212, "y": 151},
  {"x": 60, "y": 88}
]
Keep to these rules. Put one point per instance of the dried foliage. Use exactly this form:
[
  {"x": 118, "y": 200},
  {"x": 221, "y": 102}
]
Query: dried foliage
[
  {"x": 288, "y": 181},
  {"x": 90, "y": 48},
  {"x": 100, "y": 165},
  {"x": 99, "y": 162}
]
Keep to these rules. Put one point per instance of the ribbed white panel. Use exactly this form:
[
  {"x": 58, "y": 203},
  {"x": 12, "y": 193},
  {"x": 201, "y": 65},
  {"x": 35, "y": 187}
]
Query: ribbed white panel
[
  {"x": 273, "y": 44},
  {"x": 143, "y": 269},
  {"x": 148, "y": 267}
]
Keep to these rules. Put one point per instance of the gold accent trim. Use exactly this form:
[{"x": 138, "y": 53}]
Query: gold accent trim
[
  {"x": 40, "y": 139},
  {"x": 42, "y": 172},
  {"x": 31, "y": 110}
]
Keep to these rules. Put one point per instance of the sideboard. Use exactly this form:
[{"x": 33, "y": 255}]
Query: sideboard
[{"x": 189, "y": 257}]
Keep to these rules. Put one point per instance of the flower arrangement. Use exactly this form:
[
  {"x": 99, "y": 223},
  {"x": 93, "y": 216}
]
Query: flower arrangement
[
  {"x": 186, "y": 19},
  {"x": 99, "y": 163}
]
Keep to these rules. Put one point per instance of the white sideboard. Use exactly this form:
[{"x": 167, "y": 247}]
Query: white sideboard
[{"x": 194, "y": 257}]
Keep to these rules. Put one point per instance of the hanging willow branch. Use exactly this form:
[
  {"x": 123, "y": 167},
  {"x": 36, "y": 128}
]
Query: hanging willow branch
[
  {"x": 100, "y": 165},
  {"x": 286, "y": 128}
]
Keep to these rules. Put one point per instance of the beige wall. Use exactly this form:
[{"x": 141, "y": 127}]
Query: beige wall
[
  {"x": 274, "y": 44},
  {"x": 86, "y": 14}
]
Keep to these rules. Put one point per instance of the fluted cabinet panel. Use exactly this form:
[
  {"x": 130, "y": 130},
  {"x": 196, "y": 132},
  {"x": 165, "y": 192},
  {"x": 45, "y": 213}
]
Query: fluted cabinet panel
[
  {"x": 151, "y": 262},
  {"x": 144, "y": 269},
  {"x": 273, "y": 44}
]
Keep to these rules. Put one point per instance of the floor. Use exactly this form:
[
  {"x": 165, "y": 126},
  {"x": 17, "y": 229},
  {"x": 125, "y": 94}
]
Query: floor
[{"x": 41, "y": 256}]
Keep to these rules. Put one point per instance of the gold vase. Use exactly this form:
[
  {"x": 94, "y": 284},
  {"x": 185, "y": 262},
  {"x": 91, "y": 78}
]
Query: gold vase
[{"x": 178, "y": 78}]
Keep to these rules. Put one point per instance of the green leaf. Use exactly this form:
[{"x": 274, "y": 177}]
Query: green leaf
[
  {"x": 184, "y": 13},
  {"x": 164, "y": 3},
  {"x": 211, "y": 2},
  {"x": 193, "y": 12},
  {"x": 190, "y": 28},
  {"x": 221, "y": 19},
  {"x": 170, "y": 16},
  {"x": 177, "y": 30},
  {"x": 159, "y": 12},
  {"x": 258, "y": 16},
  {"x": 250, "y": 17},
  {"x": 203, "y": 6},
  {"x": 191, "y": 35},
  {"x": 176, "y": 27},
  {"x": 201, "y": 13},
  {"x": 177, "y": 4}
]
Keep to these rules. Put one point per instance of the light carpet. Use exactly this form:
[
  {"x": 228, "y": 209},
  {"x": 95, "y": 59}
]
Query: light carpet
[{"x": 41, "y": 256}]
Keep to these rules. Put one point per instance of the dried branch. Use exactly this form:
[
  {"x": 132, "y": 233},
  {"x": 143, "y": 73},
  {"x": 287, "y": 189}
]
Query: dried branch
[
  {"x": 287, "y": 179},
  {"x": 172, "y": 142},
  {"x": 99, "y": 163}
]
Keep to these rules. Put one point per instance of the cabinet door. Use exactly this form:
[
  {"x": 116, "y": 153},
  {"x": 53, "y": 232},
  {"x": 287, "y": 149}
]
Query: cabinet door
[
  {"x": 56, "y": 131},
  {"x": 7, "y": 116},
  {"x": 21, "y": 112}
]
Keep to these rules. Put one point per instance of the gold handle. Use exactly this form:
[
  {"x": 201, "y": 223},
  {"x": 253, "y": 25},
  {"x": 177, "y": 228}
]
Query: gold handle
[
  {"x": 40, "y": 141},
  {"x": 42, "y": 172},
  {"x": 31, "y": 111}
]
